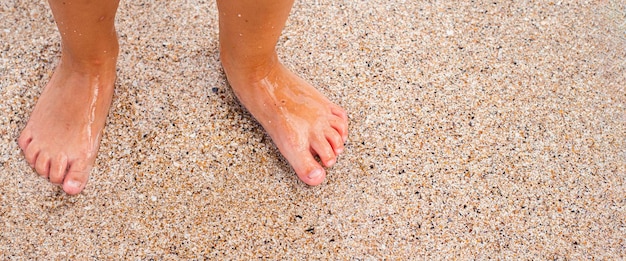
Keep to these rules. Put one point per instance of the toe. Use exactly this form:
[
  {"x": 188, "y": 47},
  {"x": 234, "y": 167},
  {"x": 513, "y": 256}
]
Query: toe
[
  {"x": 341, "y": 126},
  {"x": 335, "y": 140},
  {"x": 24, "y": 140},
  {"x": 324, "y": 150},
  {"x": 340, "y": 112},
  {"x": 306, "y": 167},
  {"x": 76, "y": 177},
  {"x": 58, "y": 168},
  {"x": 42, "y": 165},
  {"x": 31, "y": 154}
]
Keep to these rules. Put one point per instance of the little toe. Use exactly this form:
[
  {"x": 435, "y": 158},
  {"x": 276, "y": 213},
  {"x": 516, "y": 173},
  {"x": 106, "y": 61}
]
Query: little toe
[
  {"x": 42, "y": 165},
  {"x": 24, "y": 140},
  {"x": 76, "y": 177},
  {"x": 340, "y": 112},
  {"x": 341, "y": 126},
  {"x": 31, "y": 154}
]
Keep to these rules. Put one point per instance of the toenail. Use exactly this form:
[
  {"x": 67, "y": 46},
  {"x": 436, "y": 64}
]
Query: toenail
[
  {"x": 74, "y": 183},
  {"x": 331, "y": 162},
  {"x": 339, "y": 151},
  {"x": 315, "y": 174}
]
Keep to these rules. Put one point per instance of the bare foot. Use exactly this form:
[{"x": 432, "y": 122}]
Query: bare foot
[
  {"x": 62, "y": 136},
  {"x": 302, "y": 122}
]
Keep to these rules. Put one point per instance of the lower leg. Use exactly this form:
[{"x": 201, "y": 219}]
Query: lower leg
[
  {"x": 62, "y": 136},
  {"x": 302, "y": 122}
]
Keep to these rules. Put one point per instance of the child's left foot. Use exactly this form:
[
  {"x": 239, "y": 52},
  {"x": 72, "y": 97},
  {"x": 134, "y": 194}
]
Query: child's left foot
[{"x": 302, "y": 122}]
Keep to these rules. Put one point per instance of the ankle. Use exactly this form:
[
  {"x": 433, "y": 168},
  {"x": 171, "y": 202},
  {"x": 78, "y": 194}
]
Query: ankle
[
  {"x": 93, "y": 58},
  {"x": 94, "y": 64},
  {"x": 254, "y": 67}
]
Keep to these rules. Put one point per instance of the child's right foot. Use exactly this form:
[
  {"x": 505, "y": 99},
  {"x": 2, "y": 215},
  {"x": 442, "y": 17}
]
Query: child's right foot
[{"x": 62, "y": 136}]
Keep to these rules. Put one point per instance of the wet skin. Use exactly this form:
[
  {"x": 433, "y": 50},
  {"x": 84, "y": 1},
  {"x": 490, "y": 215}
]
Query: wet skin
[
  {"x": 63, "y": 133},
  {"x": 62, "y": 136},
  {"x": 301, "y": 121}
]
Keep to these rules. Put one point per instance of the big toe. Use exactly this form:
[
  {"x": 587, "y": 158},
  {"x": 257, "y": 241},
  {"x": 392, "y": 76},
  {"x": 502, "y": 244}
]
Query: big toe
[
  {"x": 76, "y": 178},
  {"x": 307, "y": 168}
]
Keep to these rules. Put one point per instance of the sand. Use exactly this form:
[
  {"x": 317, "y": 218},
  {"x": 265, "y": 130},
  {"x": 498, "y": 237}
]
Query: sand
[{"x": 484, "y": 129}]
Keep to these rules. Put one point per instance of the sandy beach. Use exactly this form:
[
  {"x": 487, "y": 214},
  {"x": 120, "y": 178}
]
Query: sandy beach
[{"x": 478, "y": 130}]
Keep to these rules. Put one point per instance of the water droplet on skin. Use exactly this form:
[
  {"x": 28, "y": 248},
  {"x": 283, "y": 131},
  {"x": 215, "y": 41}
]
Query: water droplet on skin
[
  {"x": 240, "y": 35},
  {"x": 238, "y": 15}
]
